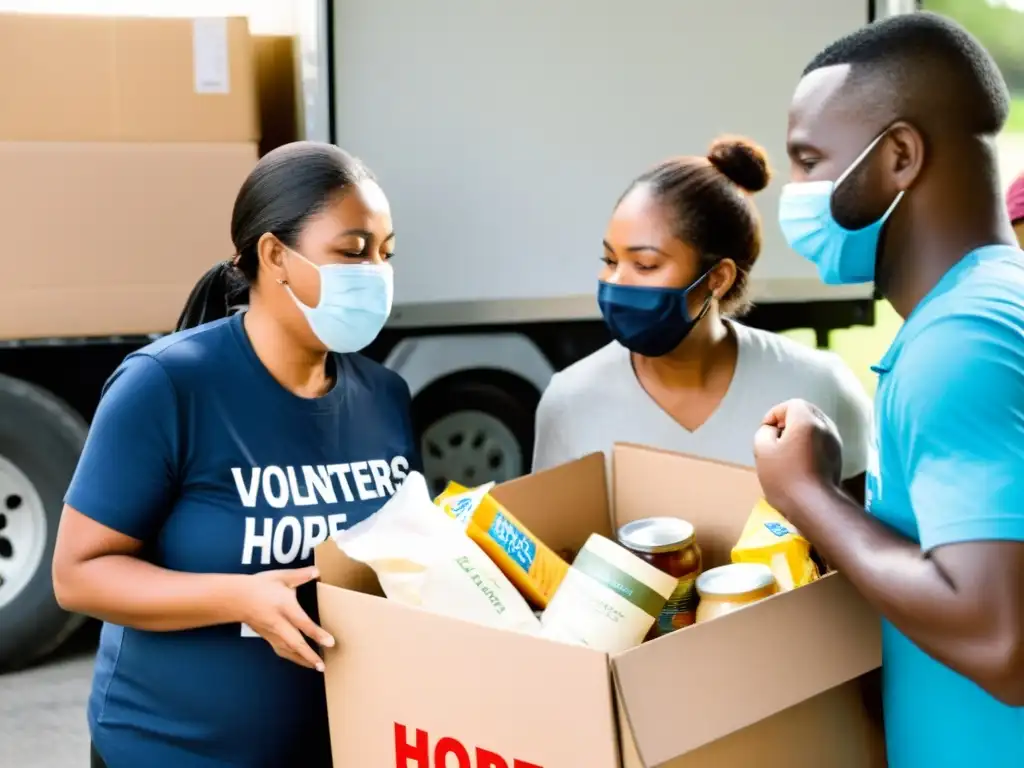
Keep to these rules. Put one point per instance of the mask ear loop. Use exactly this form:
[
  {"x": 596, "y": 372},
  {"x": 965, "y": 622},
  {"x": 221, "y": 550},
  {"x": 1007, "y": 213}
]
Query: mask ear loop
[
  {"x": 707, "y": 302},
  {"x": 298, "y": 302},
  {"x": 860, "y": 158},
  {"x": 853, "y": 166}
]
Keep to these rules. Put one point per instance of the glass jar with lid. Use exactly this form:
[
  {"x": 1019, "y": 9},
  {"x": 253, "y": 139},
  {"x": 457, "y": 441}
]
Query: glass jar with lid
[
  {"x": 670, "y": 545},
  {"x": 727, "y": 588}
]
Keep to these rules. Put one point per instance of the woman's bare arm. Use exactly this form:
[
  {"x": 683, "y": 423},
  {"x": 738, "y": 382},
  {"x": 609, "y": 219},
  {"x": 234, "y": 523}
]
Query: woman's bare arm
[{"x": 97, "y": 571}]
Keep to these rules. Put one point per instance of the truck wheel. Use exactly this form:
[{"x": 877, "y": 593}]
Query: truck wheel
[
  {"x": 40, "y": 441},
  {"x": 474, "y": 427}
]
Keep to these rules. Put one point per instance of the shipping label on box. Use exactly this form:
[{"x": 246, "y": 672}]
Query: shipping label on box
[{"x": 210, "y": 56}]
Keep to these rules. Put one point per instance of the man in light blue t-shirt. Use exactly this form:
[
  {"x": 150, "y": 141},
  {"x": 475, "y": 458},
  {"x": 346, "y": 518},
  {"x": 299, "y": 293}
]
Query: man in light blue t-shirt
[{"x": 894, "y": 181}]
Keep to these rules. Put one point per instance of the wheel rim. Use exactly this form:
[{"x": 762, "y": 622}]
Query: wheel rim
[
  {"x": 22, "y": 531},
  {"x": 471, "y": 448}
]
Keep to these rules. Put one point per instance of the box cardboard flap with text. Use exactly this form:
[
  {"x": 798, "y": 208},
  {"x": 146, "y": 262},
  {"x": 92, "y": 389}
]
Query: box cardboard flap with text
[{"x": 771, "y": 685}]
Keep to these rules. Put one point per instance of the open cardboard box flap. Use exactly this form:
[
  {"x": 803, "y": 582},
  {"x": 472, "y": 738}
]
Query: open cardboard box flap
[
  {"x": 748, "y": 665},
  {"x": 421, "y": 675},
  {"x": 563, "y": 505},
  {"x": 773, "y": 672},
  {"x": 680, "y": 693},
  {"x": 418, "y": 677}
]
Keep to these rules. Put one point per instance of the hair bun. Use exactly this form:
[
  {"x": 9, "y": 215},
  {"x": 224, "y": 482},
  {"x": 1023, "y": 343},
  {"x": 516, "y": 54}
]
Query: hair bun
[{"x": 742, "y": 161}]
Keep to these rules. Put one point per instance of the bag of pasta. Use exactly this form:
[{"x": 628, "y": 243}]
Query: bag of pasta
[{"x": 423, "y": 558}]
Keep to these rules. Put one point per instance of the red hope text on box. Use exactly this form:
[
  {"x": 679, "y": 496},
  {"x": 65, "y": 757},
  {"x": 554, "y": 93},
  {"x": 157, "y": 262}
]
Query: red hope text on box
[{"x": 418, "y": 754}]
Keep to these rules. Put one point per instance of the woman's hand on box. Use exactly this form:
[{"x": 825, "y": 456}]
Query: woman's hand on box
[{"x": 270, "y": 608}]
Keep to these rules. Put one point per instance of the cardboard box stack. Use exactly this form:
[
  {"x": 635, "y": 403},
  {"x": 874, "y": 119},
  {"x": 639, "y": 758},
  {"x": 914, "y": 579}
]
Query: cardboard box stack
[
  {"x": 774, "y": 685},
  {"x": 123, "y": 142}
]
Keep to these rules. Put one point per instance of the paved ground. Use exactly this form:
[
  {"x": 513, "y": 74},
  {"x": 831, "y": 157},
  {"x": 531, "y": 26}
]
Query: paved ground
[{"x": 42, "y": 710}]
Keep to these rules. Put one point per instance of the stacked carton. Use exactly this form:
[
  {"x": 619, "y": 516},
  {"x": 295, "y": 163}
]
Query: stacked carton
[
  {"x": 123, "y": 142},
  {"x": 775, "y": 685}
]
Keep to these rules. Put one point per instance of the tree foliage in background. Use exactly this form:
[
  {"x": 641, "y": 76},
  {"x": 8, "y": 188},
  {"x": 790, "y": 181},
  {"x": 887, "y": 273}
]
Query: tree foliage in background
[{"x": 998, "y": 27}]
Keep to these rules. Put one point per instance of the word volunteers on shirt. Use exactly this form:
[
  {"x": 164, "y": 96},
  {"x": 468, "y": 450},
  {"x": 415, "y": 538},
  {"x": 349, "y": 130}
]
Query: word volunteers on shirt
[
  {"x": 280, "y": 540},
  {"x": 228, "y": 473}
]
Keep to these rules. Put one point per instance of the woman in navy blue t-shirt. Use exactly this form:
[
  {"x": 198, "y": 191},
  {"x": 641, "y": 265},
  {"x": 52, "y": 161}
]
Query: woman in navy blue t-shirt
[{"x": 219, "y": 457}]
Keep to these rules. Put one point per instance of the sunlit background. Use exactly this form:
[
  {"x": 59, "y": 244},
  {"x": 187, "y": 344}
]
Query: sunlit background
[{"x": 999, "y": 24}]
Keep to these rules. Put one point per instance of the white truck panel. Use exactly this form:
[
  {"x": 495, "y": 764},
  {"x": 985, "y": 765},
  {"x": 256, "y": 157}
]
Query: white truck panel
[
  {"x": 422, "y": 360},
  {"x": 504, "y": 132}
]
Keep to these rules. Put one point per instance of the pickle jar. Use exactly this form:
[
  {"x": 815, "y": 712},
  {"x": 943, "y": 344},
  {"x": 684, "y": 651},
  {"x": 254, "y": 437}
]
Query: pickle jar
[{"x": 670, "y": 545}]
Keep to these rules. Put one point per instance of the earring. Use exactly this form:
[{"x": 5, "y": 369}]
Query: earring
[{"x": 282, "y": 282}]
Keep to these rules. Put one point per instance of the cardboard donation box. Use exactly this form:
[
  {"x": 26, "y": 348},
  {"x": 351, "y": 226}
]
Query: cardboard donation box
[
  {"x": 773, "y": 685},
  {"x": 108, "y": 239},
  {"x": 100, "y": 78}
]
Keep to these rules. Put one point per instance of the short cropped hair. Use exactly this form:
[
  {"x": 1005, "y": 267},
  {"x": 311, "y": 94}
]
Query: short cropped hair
[{"x": 926, "y": 67}]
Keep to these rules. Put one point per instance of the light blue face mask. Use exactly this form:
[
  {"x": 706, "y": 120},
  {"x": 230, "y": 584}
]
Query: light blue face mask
[
  {"x": 842, "y": 256},
  {"x": 355, "y": 302}
]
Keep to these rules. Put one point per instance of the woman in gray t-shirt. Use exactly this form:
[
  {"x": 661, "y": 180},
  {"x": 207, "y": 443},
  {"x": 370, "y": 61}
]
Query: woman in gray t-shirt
[{"x": 681, "y": 374}]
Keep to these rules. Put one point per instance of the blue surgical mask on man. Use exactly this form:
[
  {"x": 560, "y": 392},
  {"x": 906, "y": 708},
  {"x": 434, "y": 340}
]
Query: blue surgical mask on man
[
  {"x": 355, "y": 302},
  {"x": 842, "y": 256},
  {"x": 646, "y": 320}
]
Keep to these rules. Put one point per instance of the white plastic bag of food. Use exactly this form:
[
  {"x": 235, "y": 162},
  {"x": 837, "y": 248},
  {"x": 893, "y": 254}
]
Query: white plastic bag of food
[{"x": 424, "y": 558}]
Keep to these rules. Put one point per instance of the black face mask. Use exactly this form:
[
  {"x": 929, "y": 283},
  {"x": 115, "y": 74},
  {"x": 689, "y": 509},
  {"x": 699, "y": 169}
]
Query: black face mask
[{"x": 649, "y": 321}]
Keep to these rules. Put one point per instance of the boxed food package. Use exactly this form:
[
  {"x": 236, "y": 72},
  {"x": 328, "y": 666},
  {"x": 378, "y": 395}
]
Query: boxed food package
[
  {"x": 106, "y": 78},
  {"x": 108, "y": 239},
  {"x": 774, "y": 684},
  {"x": 535, "y": 569}
]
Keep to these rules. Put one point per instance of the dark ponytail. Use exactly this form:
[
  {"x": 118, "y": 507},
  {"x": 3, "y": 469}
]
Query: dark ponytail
[
  {"x": 287, "y": 187},
  {"x": 215, "y": 295}
]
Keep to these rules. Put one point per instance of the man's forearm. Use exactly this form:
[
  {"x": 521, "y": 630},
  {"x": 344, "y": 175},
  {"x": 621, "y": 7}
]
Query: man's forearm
[{"x": 891, "y": 573}]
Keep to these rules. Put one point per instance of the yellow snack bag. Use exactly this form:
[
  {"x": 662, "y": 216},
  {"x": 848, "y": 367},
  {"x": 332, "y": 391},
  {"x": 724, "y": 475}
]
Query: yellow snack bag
[
  {"x": 529, "y": 563},
  {"x": 769, "y": 539}
]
